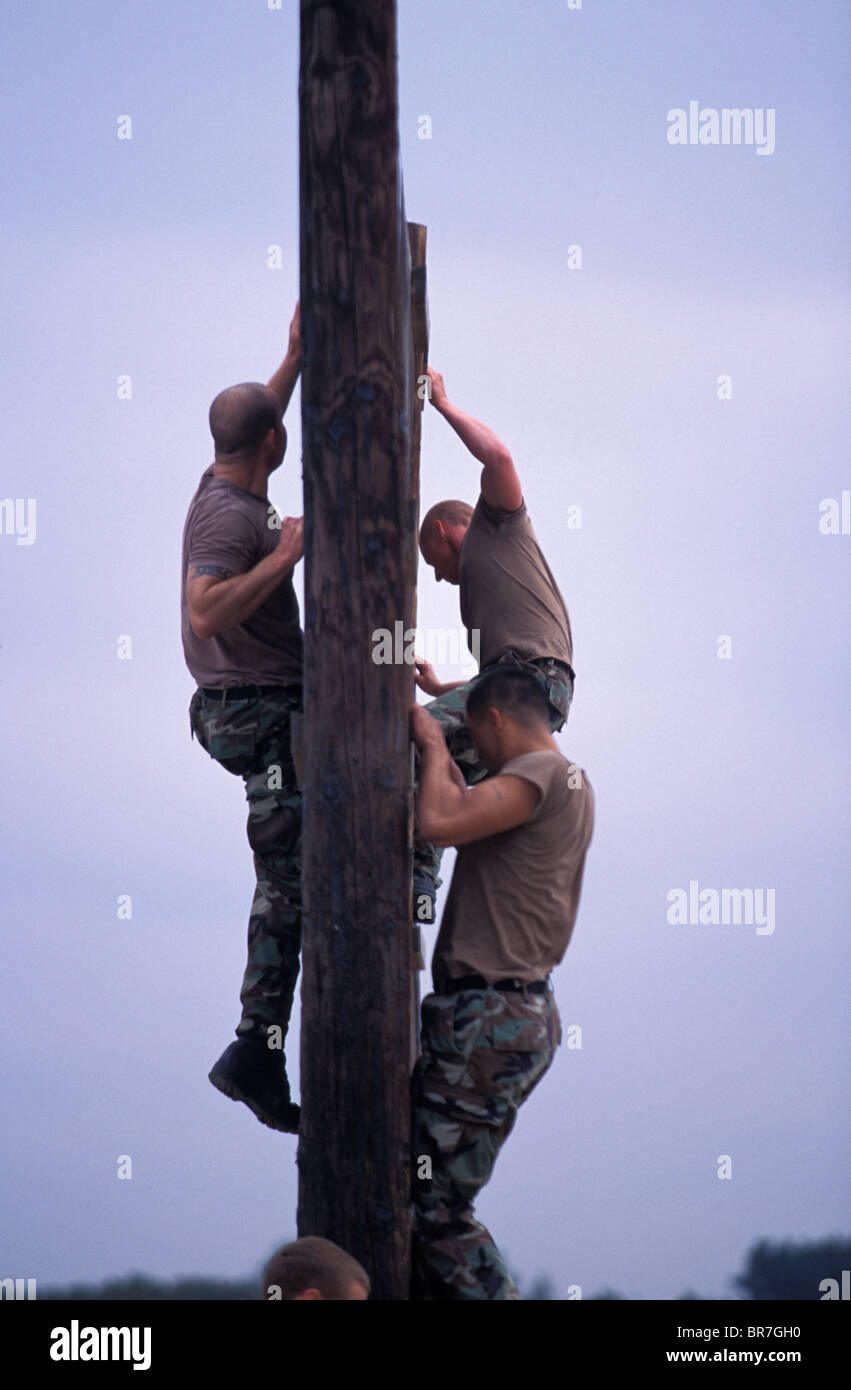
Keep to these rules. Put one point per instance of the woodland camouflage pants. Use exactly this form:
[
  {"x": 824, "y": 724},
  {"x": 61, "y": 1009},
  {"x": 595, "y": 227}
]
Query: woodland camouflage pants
[
  {"x": 483, "y": 1052},
  {"x": 252, "y": 738},
  {"x": 448, "y": 710}
]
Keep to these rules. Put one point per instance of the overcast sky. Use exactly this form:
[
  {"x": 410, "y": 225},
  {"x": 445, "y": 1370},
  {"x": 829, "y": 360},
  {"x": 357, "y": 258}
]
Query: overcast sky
[{"x": 684, "y": 388}]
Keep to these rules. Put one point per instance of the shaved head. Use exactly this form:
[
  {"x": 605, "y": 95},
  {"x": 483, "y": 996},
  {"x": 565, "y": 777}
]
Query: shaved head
[
  {"x": 315, "y": 1264},
  {"x": 442, "y": 533},
  {"x": 515, "y": 691},
  {"x": 451, "y": 513},
  {"x": 241, "y": 416}
]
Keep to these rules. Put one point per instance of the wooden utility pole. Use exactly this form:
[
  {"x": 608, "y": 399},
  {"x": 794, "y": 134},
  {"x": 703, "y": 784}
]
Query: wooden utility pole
[
  {"x": 419, "y": 330},
  {"x": 360, "y": 501}
]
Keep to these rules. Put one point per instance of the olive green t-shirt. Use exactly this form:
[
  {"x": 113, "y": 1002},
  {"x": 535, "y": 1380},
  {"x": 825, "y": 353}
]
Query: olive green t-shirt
[
  {"x": 229, "y": 527},
  {"x": 514, "y": 896},
  {"x": 508, "y": 592}
]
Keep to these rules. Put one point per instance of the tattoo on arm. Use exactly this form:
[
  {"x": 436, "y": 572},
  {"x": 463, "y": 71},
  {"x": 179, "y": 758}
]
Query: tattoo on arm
[{"x": 200, "y": 570}]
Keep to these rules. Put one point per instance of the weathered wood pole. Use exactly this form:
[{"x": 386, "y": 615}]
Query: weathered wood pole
[
  {"x": 419, "y": 328},
  {"x": 360, "y": 554}
]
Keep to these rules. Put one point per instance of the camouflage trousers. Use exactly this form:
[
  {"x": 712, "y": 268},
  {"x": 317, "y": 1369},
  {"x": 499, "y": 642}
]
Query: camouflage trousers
[
  {"x": 483, "y": 1052},
  {"x": 448, "y": 710},
  {"x": 253, "y": 739}
]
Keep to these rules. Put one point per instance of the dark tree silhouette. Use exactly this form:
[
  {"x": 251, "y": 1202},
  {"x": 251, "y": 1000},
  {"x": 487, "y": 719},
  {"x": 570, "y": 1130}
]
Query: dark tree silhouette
[{"x": 789, "y": 1269}]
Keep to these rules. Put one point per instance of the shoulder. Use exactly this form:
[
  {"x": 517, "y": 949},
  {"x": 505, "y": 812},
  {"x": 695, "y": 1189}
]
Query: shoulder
[
  {"x": 563, "y": 785},
  {"x": 202, "y": 489},
  {"x": 229, "y": 508},
  {"x": 486, "y": 517}
]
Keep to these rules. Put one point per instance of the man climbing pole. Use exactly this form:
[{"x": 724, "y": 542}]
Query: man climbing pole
[
  {"x": 511, "y": 605},
  {"x": 243, "y": 644},
  {"x": 491, "y": 1027}
]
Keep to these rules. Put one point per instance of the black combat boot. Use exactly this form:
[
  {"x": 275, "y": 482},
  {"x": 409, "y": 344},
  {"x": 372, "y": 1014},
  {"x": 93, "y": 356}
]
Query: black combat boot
[{"x": 250, "y": 1071}]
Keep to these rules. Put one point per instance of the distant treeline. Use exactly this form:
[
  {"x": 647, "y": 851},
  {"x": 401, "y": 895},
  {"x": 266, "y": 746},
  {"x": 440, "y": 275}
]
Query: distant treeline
[
  {"x": 140, "y": 1286},
  {"x": 773, "y": 1270}
]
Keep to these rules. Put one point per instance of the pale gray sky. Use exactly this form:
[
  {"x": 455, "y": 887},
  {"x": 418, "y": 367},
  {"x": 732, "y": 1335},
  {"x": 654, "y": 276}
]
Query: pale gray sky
[{"x": 700, "y": 519}]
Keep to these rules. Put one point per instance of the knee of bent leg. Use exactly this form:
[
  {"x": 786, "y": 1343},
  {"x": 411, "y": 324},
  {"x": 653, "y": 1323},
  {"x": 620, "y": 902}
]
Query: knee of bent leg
[{"x": 273, "y": 826}]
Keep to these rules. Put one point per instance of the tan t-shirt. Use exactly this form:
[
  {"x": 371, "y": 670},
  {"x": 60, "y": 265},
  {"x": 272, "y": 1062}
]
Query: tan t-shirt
[
  {"x": 508, "y": 592},
  {"x": 514, "y": 896},
  {"x": 229, "y": 527}
]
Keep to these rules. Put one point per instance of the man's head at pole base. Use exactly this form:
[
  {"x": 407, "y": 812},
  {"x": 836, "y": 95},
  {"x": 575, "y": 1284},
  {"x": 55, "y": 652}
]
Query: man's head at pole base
[
  {"x": 442, "y": 533},
  {"x": 314, "y": 1268}
]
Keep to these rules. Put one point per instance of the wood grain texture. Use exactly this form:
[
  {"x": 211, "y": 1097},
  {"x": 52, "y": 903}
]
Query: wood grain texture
[
  {"x": 360, "y": 565},
  {"x": 417, "y": 235}
]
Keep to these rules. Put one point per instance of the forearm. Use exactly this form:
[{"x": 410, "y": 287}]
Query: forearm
[
  {"x": 284, "y": 380},
  {"x": 232, "y": 601},
  {"x": 451, "y": 685},
  {"x": 479, "y": 438}
]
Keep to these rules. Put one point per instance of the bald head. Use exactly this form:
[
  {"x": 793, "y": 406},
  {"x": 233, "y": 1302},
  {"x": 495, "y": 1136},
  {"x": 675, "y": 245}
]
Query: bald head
[
  {"x": 240, "y": 418},
  {"x": 442, "y": 533},
  {"x": 450, "y": 513}
]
